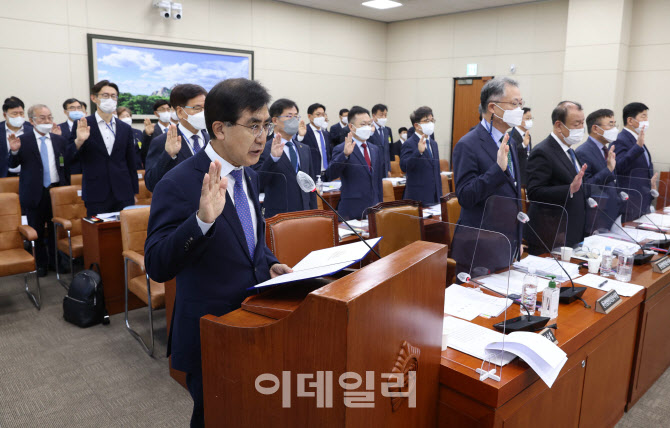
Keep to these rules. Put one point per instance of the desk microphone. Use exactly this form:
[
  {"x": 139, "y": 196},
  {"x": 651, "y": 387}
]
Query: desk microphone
[
  {"x": 307, "y": 185},
  {"x": 568, "y": 294},
  {"x": 521, "y": 323},
  {"x": 624, "y": 197}
]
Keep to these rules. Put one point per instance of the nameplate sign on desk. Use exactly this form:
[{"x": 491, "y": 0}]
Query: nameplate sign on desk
[
  {"x": 608, "y": 302},
  {"x": 661, "y": 265},
  {"x": 548, "y": 334}
]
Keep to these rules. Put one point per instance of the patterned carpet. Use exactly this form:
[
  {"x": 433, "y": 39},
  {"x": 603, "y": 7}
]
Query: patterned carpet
[{"x": 54, "y": 374}]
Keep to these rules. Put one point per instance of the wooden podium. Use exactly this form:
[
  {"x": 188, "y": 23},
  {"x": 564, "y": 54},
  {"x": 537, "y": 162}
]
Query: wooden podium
[{"x": 322, "y": 347}]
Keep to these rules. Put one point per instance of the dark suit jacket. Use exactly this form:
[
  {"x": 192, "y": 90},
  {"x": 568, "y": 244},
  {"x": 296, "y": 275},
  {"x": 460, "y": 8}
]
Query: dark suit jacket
[
  {"x": 361, "y": 188},
  {"x": 313, "y": 141},
  {"x": 384, "y": 144},
  {"x": 4, "y": 151},
  {"x": 214, "y": 270},
  {"x": 338, "y": 134},
  {"x": 159, "y": 161},
  {"x": 73, "y": 167},
  {"x": 278, "y": 181},
  {"x": 522, "y": 154},
  {"x": 146, "y": 142},
  {"x": 30, "y": 179},
  {"x": 423, "y": 173},
  {"x": 633, "y": 172},
  {"x": 604, "y": 193},
  {"x": 396, "y": 149},
  {"x": 138, "y": 138},
  {"x": 105, "y": 176}
]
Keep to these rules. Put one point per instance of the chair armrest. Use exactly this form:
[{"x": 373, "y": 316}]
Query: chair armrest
[
  {"x": 28, "y": 232},
  {"x": 65, "y": 223},
  {"x": 134, "y": 257}
]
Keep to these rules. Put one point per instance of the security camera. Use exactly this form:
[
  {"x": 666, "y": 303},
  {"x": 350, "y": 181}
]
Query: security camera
[
  {"x": 164, "y": 8},
  {"x": 176, "y": 10}
]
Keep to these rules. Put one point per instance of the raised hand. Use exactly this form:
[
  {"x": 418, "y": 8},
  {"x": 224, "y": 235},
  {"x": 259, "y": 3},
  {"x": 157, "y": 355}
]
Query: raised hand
[
  {"x": 502, "y": 153},
  {"x": 55, "y": 129},
  {"x": 577, "y": 181},
  {"x": 14, "y": 142},
  {"x": 148, "y": 126},
  {"x": 83, "y": 132},
  {"x": 213, "y": 194},
  {"x": 277, "y": 148},
  {"x": 173, "y": 141},
  {"x": 422, "y": 144},
  {"x": 611, "y": 159},
  {"x": 279, "y": 269},
  {"x": 654, "y": 181},
  {"x": 526, "y": 139},
  {"x": 349, "y": 144},
  {"x": 640, "y": 138},
  {"x": 302, "y": 128}
]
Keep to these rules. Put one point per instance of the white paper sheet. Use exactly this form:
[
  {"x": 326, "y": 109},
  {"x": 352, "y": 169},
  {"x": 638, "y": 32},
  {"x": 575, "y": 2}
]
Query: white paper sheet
[
  {"x": 472, "y": 339},
  {"x": 468, "y": 303},
  {"x": 643, "y": 235},
  {"x": 547, "y": 266},
  {"x": 622, "y": 288},
  {"x": 658, "y": 219},
  {"x": 498, "y": 282},
  {"x": 600, "y": 242}
]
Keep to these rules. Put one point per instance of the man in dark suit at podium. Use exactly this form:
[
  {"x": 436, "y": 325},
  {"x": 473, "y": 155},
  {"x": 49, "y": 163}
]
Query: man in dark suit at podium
[{"x": 206, "y": 227}]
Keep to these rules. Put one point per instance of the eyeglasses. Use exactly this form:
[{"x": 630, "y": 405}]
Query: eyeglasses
[
  {"x": 514, "y": 103},
  {"x": 289, "y": 116},
  {"x": 108, "y": 96},
  {"x": 257, "y": 130},
  {"x": 428, "y": 121},
  {"x": 44, "y": 119},
  {"x": 73, "y": 108},
  {"x": 196, "y": 109}
]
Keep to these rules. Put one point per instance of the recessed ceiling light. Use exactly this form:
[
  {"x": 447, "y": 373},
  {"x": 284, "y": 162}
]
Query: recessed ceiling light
[{"x": 381, "y": 4}]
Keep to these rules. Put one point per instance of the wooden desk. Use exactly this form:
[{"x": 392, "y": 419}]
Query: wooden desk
[{"x": 102, "y": 245}]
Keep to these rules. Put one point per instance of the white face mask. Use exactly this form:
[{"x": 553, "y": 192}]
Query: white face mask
[
  {"x": 44, "y": 128},
  {"x": 610, "y": 135},
  {"x": 512, "y": 117},
  {"x": 173, "y": 116},
  {"x": 319, "y": 121},
  {"x": 127, "y": 120},
  {"x": 529, "y": 124},
  {"x": 575, "y": 136},
  {"x": 427, "y": 128},
  {"x": 364, "y": 132},
  {"x": 642, "y": 124},
  {"x": 164, "y": 116},
  {"x": 403, "y": 136},
  {"x": 16, "y": 122},
  {"x": 345, "y": 120},
  {"x": 381, "y": 121},
  {"x": 107, "y": 105},
  {"x": 197, "y": 120}
]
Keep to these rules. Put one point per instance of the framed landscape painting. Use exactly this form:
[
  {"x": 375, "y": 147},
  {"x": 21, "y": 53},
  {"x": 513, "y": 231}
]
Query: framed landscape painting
[{"x": 146, "y": 70}]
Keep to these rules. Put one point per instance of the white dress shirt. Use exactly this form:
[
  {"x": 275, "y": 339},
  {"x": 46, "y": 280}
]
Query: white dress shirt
[
  {"x": 318, "y": 142},
  {"x": 189, "y": 137},
  {"x": 18, "y": 133},
  {"x": 70, "y": 124},
  {"x": 108, "y": 131},
  {"x": 53, "y": 168},
  {"x": 226, "y": 168},
  {"x": 288, "y": 152},
  {"x": 565, "y": 148}
]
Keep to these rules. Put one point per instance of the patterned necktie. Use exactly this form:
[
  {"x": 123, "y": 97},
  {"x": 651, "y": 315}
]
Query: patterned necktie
[
  {"x": 430, "y": 151},
  {"x": 605, "y": 153},
  {"x": 44, "y": 154},
  {"x": 196, "y": 145},
  {"x": 243, "y": 210},
  {"x": 574, "y": 159},
  {"x": 293, "y": 155},
  {"x": 367, "y": 155},
  {"x": 323, "y": 151},
  {"x": 510, "y": 165}
]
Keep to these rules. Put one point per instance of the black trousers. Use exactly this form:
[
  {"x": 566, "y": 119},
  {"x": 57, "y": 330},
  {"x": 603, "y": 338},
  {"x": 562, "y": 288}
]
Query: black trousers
[
  {"x": 108, "y": 206},
  {"x": 194, "y": 383},
  {"x": 39, "y": 218}
]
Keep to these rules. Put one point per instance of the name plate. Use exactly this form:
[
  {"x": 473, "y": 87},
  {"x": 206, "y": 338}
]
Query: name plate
[
  {"x": 548, "y": 334},
  {"x": 661, "y": 265},
  {"x": 608, "y": 302}
]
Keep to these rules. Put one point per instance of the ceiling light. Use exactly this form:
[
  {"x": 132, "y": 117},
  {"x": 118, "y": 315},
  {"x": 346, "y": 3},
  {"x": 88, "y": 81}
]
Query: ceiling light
[{"x": 381, "y": 4}]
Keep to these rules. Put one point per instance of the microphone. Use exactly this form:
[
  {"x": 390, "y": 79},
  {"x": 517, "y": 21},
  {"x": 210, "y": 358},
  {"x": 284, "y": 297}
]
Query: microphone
[
  {"x": 307, "y": 185},
  {"x": 665, "y": 243},
  {"x": 639, "y": 259},
  {"x": 521, "y": 323},
  {"x": 568, "y": 294}
]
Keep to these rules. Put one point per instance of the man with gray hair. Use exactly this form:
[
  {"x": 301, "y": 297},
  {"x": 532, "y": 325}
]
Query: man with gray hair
[
  {"x": 41, "y": 155},
  {"x": 485, "y": 165}
]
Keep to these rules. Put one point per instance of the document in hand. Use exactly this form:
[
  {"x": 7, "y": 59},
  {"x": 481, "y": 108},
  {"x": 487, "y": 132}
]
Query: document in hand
[
  {"x": 543, "y": 356},
  {"x": 323, "y": 262}
]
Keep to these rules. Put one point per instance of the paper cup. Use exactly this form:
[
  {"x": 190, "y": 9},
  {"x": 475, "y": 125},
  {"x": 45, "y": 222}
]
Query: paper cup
[
  {"x": 594, "y": 264},
  {"x": 566, "y": 253}
]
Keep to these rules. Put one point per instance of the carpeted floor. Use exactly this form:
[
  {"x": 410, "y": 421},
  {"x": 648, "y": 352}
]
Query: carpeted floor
[{"x": 54, "y": 374}]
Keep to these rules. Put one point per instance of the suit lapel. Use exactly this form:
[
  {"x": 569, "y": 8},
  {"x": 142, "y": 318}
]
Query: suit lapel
[
  {"x": 488, "y": 145},
  {"x": 303, "y": 155},
  {"x": 185, "y": 150},
  {"x": 562, "y": 157}
]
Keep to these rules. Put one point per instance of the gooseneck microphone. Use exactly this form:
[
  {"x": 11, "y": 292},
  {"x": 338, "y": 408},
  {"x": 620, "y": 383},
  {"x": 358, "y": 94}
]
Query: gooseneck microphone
[
  {"x": 307, "y": 185},
  {"x": 624, "y": 197},
  {"x": 568, "y": 294}
]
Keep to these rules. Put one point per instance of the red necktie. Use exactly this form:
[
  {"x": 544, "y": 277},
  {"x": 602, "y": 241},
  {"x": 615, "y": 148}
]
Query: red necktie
[{"x": 367, "y": 155}]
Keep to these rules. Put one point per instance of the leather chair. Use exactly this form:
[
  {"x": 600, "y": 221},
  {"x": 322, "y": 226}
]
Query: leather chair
[
  {"x": 14, "y": 259},
  {"x": 389, "y": 194},
  {"x": 292, "y": 236},
  {"x": 399, "y": 222},
  {"x": 133, "y": 234},
  {"x": 144, "y": 195},
  {"x": 75, "y": 180},
  {"x": 451, "y": 211},
  {"x": 68, "y": 210},
  {"x": 446, "y": 188},
  {"x": 9, "y": 185},
  {"x": 395, "y": 169},
  {"x": 444, "y": 165}
]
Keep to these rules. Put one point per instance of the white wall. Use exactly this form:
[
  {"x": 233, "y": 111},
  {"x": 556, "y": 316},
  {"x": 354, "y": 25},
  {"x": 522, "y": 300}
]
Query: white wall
[{"x": 300, "y": 53}]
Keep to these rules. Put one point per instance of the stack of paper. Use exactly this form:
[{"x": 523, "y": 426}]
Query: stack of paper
[
  {"x": 109, "y": 216},
  {"x": 548, "y": 266},
  {"x": 643, "y": 235},
  {"x": 510, "y": 282},
  {"x": 397, "y": 181},
  {"x": 599, "y": 242},
  {"x": 330, "y": 186},
  {"x": 433, "y": 210},
  {"x": 472, "y": 339},
  {"x": 661, "y": 220},
  {"x": 468, "y": 303},
  {"x": 622, "y": 288},
  {"x": 543, "y": 356}
]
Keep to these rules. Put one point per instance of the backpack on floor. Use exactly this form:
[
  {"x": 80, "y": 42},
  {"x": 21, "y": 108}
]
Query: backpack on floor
[{"x": 84, "y": 304}]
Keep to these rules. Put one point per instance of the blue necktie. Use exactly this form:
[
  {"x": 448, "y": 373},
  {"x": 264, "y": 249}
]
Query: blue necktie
[
  {"x": 243, "y": 211},
  {"x": 323, "y": 150},
  {"x": 44, "y": 154},
  {"x": 293, "y": 155},
  {"x": 196, "y": 145},
  {"x": 574, "y": 159},
  {"x": 430, "y": 151}
]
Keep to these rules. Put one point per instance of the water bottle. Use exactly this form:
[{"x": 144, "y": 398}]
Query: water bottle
[
  {"x": 624, "y": 270},
  {"x": 550, "y": 298},
  {"x": 606, "y": 264},
  {"x": 529, "y": 292},
  {"x": 319, "y": 185}
]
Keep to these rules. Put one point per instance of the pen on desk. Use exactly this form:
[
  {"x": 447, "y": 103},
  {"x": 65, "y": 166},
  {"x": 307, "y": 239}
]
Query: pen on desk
[{"x": 602, "y": 283}]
